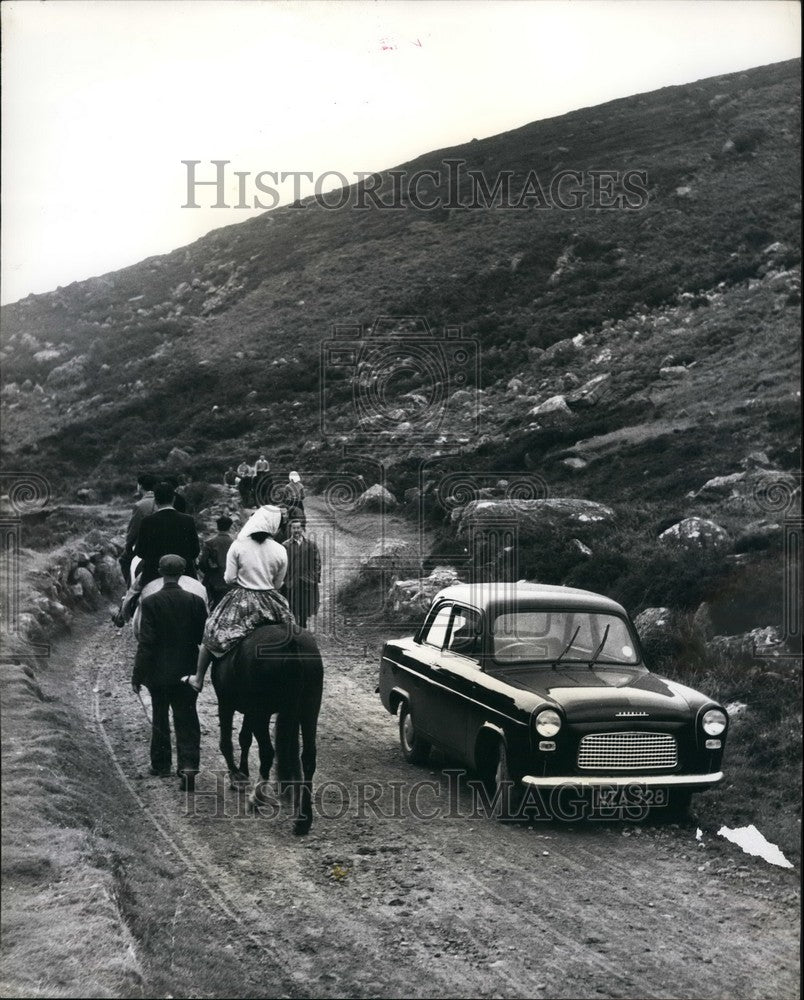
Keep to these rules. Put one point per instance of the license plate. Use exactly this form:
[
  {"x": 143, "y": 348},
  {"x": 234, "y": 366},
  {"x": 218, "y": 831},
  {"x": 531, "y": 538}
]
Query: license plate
[{"x": 611, "y": 797}]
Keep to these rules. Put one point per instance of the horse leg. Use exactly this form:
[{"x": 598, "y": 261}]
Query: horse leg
[
  {"x": 304, "y": 816},
  {"x": 258, "y": 725},
  {"x": 288, "y": 769},
  {"x": 225, "y": 721},
  {"x": 244, "y": 739}
]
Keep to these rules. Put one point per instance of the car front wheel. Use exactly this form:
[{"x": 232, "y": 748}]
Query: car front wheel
[
  {"x": 415, "y": 750},
  {"x": 507, "y": 792}
]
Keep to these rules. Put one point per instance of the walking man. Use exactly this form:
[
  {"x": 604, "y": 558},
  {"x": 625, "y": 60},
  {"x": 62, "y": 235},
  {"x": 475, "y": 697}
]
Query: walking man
[
  {"x": 171, "y": 629},
  {"x": 303, "y": 575},
  {"x": 212, "y": 561},
  {"x": 165, "y": 532}
]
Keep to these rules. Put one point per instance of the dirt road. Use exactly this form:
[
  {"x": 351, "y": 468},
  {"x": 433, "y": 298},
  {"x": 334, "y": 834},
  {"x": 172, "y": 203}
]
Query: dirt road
[{"x": 220, "y": 902}]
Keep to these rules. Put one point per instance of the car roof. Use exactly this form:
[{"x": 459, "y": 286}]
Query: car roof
[{"x": 531, "y": 595}]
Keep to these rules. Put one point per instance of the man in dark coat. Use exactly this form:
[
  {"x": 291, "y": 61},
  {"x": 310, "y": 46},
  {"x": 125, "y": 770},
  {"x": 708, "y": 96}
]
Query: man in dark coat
[
  {"x": 303, "y": 575},
  {"x": 171, "y": 629},
  {"x": 212, "y": 561},
  {"x": 165, "y": 532}
]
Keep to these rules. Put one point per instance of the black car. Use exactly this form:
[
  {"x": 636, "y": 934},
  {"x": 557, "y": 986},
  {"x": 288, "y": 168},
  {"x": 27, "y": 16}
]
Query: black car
[{"x": 543, "y": 690}]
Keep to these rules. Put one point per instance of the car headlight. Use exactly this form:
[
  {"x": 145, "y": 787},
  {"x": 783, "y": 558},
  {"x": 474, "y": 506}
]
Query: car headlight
[
  {"x": 714, "y": 722},
  {"x": 548, "y": 723}
]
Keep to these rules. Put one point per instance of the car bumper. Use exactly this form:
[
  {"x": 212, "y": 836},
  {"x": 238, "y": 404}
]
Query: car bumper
[{"x": 626, "y": 781}]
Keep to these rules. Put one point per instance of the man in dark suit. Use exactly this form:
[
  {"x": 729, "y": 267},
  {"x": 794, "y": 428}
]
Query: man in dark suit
[
  {"x": 171, "y": 629},
  {"x": 165, "y": 532},
  {"x": 303, "y": 575}
]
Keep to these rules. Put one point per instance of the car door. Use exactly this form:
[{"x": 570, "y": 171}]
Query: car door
[{"x": 454, "y": 669}]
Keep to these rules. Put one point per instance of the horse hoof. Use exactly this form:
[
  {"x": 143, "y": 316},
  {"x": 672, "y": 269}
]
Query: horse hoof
[{"x": 301, "y": 827}]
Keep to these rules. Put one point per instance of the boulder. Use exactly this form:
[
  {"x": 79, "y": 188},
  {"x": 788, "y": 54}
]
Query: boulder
[
  {"x": 564, "y": 514},
  {"x": 695, "y": 533},
  {"x": 413, "y": 597},
  {"x": 722, "y": 485},
  {"x": 87, "y": 495},
  {"x": 582, "y": 549},
  {"x": 658, "y": 632},
  {"x": 178, "y": 460},
  {"x": 756, "y": 460},
  {"x": 762, "y": 534},
  {"x": 673, "y": 372},
  {"x": 376, "y": 497},
  {"x": 759, "y": 643},
  {"x": 393, "y": 555},
  {"x": 590, "y": 392},
  {"x": 573, "y": 462},
  {"x": 702, "y": 621}
]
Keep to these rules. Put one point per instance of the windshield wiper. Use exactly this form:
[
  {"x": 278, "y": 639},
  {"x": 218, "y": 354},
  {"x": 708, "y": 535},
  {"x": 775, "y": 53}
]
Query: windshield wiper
[
  {"x": 600, "y": 647},
  {"x": 567, "y": 648}
]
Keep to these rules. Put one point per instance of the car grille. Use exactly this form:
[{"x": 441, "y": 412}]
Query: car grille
[{"x": 627, "y": 750}]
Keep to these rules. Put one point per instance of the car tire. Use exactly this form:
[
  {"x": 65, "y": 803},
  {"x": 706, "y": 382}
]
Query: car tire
[
  {"x": 415, "y": 750},
  {"x": 506, "y": 790},
  {"x": 678, "y": 808}
]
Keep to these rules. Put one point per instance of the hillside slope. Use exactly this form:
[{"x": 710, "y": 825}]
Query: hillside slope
[{"x": 118, "y": 369}]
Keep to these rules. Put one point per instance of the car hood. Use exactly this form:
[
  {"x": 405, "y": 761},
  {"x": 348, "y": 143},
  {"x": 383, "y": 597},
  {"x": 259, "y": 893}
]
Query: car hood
[{"x": 596, "y": 695}]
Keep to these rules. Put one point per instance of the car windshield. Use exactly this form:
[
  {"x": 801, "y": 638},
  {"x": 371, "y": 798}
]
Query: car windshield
[{"x": 565, "y": 636}]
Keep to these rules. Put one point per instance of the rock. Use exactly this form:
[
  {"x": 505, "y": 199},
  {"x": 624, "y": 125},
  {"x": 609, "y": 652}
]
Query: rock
[
  {"x": 658, "y": 632},
  {"x": 727, "y": 147},
  {"x": 590, "y": 392},
  {"x": 762, "y": 534},
  {"x": 393, "y": 555},
  {"x": 695, "y": 533},
  {"x": 756, "y": 460},
  {"x": 682, "y": 192},
  {"x": 564, "y": 514},
  {"x": 553, "y": 411},
  {"x": 702, "y": 621},
  {"x": 516, "y": 387},
  {"x": 412, "y": 495},
  {"x": 673, "y": 372},
  {"x": 87, "y": 495},
  {"x": 574, "y": 463},
  {"x": 407, "y": 598},
  {"x": 376, "y": 497},
  {"x": 560, "y": 352},
  {"x": 69, "y": 373},
  {"x": 775, "y": 250},
  {"x": 758, "y": 643},
  {"x": 721, "y": 485},
  {"x": 178, "y": 460},
  {"x": 579, "y": 546}
]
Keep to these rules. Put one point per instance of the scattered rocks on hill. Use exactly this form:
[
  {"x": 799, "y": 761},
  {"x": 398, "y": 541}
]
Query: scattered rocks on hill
[
  {"x": 407, "y": 598},
  {"x": 695, "y": 533},
  {"x": 564, "y": 513},
  {"x": 376, "y": 497}
]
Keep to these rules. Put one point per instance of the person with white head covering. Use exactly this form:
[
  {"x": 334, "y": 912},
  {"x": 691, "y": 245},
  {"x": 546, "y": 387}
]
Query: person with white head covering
[{"x": 256, "y": 565}]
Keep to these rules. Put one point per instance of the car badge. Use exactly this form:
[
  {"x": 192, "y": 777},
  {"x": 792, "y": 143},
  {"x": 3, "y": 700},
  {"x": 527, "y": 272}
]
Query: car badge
[{"x": 632, "y": 715}]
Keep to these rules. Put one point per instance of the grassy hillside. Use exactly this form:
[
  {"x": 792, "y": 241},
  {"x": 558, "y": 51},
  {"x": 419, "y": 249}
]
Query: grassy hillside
[{"x": 114, "y": 371}]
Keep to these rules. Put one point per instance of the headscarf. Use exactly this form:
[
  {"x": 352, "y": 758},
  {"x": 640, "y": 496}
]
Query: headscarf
[
  {"x": 265, "y": 519},
  {"x": 294, "y": 477}
]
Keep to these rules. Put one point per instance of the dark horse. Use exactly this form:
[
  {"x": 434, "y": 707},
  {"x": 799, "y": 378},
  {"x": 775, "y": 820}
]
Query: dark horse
[{"x": 276, "y": 670}]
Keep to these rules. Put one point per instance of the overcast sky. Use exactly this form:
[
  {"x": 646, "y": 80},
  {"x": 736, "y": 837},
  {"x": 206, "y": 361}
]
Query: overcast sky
[{"x": 102, "y": 101}]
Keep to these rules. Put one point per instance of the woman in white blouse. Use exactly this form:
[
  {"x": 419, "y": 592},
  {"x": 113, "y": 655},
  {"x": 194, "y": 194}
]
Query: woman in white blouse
[{"x": 255, "y": 565}]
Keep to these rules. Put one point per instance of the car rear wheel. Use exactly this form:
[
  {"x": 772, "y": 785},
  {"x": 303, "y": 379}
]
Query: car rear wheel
[{"x": 415, "y": 750}]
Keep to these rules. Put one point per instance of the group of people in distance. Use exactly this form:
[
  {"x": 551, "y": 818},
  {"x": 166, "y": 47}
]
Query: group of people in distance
[{"x": 181, "y": 625}]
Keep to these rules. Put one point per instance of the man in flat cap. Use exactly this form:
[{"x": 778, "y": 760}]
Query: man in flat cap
[{"x": 171, "y": 629}]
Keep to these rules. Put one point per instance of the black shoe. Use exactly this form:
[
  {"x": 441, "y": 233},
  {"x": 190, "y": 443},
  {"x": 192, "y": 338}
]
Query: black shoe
[
  {"x": 187, "y": 781},
  {"x": 159, "y": 772}
]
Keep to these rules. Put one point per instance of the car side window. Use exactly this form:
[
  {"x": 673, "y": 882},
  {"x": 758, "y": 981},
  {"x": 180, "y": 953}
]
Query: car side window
[
  {"x": 464, "y": 637},
  {"x": 436, "y": 634}
]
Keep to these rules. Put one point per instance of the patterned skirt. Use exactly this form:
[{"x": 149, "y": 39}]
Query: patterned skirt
[{"x": 239, "y": 612}]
